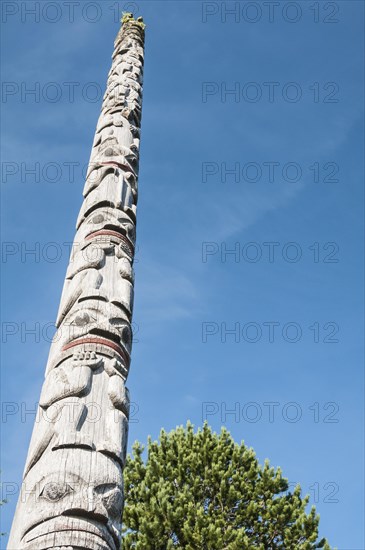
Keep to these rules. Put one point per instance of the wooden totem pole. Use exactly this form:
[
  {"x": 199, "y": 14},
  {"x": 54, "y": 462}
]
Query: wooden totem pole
[{"x": 72, "y": 492}]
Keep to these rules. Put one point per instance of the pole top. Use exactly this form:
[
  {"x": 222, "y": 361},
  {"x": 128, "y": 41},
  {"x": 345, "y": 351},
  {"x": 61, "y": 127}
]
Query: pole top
[{"x": 127, "y": 17}]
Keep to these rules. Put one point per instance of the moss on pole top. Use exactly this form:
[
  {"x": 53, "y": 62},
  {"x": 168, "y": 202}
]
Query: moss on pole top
[{"x": 127, "y": 17}]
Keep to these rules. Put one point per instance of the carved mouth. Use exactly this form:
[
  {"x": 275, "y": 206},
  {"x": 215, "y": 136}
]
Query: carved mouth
[
  {"x": 69, "y": 531},
  {"x": 99, "y": 340},
  {"x": 112, "y": 233}
]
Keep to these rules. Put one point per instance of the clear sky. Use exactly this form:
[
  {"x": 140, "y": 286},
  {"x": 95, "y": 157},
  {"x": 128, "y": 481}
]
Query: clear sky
[{"x": 252, "y": 141}]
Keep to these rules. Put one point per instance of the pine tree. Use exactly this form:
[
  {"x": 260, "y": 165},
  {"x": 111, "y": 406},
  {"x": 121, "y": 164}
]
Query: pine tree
[{"x": 202, "y": 491}]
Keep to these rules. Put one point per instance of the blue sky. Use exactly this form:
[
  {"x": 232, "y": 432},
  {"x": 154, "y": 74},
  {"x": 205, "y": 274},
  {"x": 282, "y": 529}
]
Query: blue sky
[{"x": 296, "y": 392}]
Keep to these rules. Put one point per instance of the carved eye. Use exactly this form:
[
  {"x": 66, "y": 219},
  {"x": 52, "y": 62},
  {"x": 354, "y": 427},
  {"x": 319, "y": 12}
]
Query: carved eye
[
  {"x": 112, "y": 498},
  {"x": 127, "y": 336},
  {"x": 55, "y": 491},
  {"x": 123, "y": 329},
  {"x": 98, "y": 218},
  {"x": 81, "y": 319},
  {"x": 131, "y": 231}
]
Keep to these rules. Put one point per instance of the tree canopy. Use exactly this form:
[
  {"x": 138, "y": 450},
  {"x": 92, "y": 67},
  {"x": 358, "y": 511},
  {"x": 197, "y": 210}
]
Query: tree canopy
[{"x": 202, "y": 491}]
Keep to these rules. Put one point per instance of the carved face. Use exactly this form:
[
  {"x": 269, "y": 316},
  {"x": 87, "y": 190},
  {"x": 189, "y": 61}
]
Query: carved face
[
  {"x": 103, "y": 219},
  {"x": 97, "y": 322},
  {"x": 77, "y": 504},
  {"x": 95, "y": 318},
  {"x": 114, "y": 144}
]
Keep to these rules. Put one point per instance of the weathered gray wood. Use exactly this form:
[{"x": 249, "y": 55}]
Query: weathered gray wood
[{"x": 72, "y": 494}]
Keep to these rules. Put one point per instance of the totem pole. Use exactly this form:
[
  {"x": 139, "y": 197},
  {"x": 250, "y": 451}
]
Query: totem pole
[{"x": 72, "y": 492}]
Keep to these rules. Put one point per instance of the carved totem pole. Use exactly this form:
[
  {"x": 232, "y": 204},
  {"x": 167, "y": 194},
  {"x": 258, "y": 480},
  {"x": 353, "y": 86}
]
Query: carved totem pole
[{"x": 72, "y": 492}]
